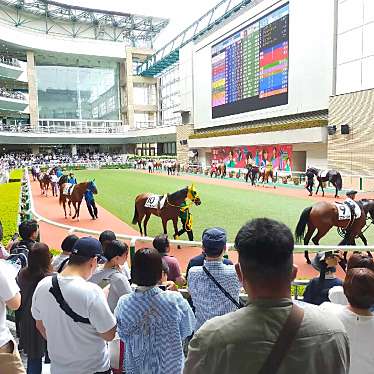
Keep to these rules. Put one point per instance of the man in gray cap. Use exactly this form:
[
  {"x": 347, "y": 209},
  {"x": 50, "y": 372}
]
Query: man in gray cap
[
  {"x": 214, "y": 287},
  {"x": 73, "y": 314}
]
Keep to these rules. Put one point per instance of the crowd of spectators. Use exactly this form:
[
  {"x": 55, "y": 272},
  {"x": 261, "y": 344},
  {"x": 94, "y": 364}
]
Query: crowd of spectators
[
  {"x": 71, "y": 306},
  {"x": 10, "y": 94},
  {"x": 9, "y": 61}
]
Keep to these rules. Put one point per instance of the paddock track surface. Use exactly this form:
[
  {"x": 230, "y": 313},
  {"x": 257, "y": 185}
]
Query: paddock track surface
[{"x": 53, "y": 236}]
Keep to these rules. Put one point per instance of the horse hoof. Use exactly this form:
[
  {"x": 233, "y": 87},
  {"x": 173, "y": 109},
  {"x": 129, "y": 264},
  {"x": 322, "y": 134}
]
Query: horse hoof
[{"x": 178, "y": 246}]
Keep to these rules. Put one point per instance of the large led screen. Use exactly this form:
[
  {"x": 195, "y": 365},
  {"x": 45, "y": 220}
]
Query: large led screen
[{"x": 250, "y": 67}]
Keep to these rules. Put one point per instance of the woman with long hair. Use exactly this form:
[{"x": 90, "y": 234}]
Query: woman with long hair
[{"x": 39, "y": 266}]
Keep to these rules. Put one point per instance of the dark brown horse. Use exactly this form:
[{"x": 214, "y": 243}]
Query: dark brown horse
[
  {"x": 252, "y": 173},
  {"x": 76, "y": 196},
  {"x": 170, "y": 210},
  {"x": 44, "y": 180},
  {"x": 331, "y": 176},
  {"x": 324, "y": 215}
]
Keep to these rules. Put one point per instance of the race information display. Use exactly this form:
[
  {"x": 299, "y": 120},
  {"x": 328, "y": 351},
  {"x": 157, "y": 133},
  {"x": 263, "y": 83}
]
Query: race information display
[{"x": 250, "y": 67}]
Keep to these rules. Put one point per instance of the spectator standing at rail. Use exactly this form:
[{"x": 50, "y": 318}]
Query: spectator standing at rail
[
  {"x": 91, "y": 205},
  {"x": 317, "y": 290},
  {"x": 75, "y": 347},
  {"x": 59, "y": 262},
  {"x": 10, "y": 360},
  {"x": 243, "y": 341},
  {"x": 111, "y": 274},
  {"x": 152, "y": 323},
  {"x": 161, "y": 243},
  {"x": 33, "y": 344},
  {"x": 214, "y": 287},
  {"x": 357, "y": 260},
  {"x": 357, "y": 318}
]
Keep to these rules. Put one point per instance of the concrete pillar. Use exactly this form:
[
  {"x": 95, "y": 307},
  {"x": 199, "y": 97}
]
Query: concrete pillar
[
  {"x": 33, "y": 89},
  {"x": 35, "y": 149},
  {"x": 129, "y": 89},
  {"x": 73, "y": 149}
]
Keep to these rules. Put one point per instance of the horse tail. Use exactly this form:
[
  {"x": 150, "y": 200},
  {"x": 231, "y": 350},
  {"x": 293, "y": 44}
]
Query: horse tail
[
  {"x": 135, "y": 219},
  {"x": 300, "y": 228},
  {"x": 339, "y": 182}
]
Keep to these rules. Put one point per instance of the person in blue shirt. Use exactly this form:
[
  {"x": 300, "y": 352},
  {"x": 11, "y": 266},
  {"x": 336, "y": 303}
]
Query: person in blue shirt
[
  {"x": 91, "y": 205},
  {"x": 72, "y": 179},
  {"x": 59, "y": 172}
]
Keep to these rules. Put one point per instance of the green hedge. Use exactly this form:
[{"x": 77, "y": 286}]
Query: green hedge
[
  {"x": 16, "y": 175},
  {"x": 9, "y": 198},
  {"x": 118, "y": 166}
]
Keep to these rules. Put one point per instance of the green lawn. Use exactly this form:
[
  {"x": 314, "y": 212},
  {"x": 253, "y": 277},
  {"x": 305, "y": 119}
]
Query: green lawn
[{"x": 221, "y": 206}]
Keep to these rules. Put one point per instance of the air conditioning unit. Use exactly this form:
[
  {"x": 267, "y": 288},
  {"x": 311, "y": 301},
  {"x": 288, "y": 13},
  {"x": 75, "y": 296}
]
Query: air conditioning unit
[{"x": 331, "y": 130}]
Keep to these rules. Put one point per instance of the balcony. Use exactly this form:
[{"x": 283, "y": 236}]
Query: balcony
[
  {"x": 13, "y": 101},
  {"x": 10, "y": 68}
]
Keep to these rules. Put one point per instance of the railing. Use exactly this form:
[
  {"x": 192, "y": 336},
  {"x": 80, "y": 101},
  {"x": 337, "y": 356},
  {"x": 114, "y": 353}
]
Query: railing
[
  {"x": 74, "y": 126},
  {"x": 10, "y": 61}
]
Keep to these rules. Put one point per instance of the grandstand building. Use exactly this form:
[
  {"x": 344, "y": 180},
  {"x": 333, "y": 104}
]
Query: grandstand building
[{"x": 292, "y": 80}]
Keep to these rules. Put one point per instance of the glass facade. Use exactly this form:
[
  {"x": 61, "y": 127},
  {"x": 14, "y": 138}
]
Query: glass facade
[
  {"x": 74, "y": 92},
  {"x": 170, "y": 97}
]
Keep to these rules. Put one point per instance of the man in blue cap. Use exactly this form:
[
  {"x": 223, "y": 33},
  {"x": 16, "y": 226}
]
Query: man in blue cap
[
  {"x": 214, "y": 287},
  {"x": 75, "y": 315}
]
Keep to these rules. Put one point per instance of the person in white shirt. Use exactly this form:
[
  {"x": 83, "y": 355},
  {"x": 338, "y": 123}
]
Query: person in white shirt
[
  {"x": 357, "y": 260},
  {"x": 357, "y": 318},
  {"x": 54, "y": 184},
  {"x": 67, "y": 245},
  {"x": 75, "y": 347},
  {"x": 10, "y": 361},
  {"x": 111, "y": 274}
]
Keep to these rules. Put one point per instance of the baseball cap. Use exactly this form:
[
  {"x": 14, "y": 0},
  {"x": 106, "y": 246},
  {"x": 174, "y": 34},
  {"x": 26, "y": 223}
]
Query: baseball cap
[
  {"x": 214, "y": 241},
  {"x": 88, "y": 247}
]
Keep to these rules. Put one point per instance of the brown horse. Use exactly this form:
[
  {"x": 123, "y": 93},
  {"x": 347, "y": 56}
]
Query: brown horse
[
  {"x": 324, "y": 215},
  {"x": 266, "y": 174},
  {"x": 170, "y": 210},
  {"x": 76, "y": 196},
  {"x": 44, "y": 180}
]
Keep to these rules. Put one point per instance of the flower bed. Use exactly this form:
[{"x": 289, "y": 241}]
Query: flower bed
[{"x": 9, "y": 198}]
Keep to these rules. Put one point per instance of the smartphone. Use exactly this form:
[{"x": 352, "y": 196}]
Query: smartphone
[
  {"x": 15, "y": 236},
  {"x": 162, "y": 287}
]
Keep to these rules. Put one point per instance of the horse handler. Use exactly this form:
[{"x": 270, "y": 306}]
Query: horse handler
[
  {"x": 91, "y": 205},
  {"x": 309, "y": 182},
  {"x": 186, "y": 218}
]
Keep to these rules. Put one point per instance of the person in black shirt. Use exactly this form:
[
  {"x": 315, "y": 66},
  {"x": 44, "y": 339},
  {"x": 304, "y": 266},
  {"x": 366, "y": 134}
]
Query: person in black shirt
[
  {"x": 309, "y": 182},
  {"x": 317, "y": 291}
]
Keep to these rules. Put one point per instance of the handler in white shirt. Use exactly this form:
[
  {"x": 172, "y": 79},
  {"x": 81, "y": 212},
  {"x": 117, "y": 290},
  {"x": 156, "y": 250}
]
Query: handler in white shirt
[{"x": 76, "y": 347}]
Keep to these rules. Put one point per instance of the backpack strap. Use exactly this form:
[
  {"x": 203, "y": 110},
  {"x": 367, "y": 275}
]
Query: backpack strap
[
  {"x": 209, "y": 274},
  {"x": 285, "y": 339},
  {"x": 62, "y": 265},
  {"x": 56, "y": 292}
]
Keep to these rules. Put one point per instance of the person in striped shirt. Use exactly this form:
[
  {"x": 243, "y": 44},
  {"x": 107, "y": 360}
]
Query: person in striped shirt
[{"x": 152, "y": 323}]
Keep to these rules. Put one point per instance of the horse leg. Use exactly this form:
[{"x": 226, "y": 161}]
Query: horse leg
[
  {"x": 64, "y": 205},
  {"x": 307, "y": 237},
  {"x": 165, "y": 226},
  {"x": 323, "y": 191},
  {"x": 319, "y": 183},
  {"x": 336, "y": 190},
  {"x": 69, "y": 205},
  {"x": 175, "y": 224},
  {"x": 320, "y": 234},
  {"x": 78, "y": 210},
  {"x": 75, "y": 210},
  {"x": 146, "y": 219}
]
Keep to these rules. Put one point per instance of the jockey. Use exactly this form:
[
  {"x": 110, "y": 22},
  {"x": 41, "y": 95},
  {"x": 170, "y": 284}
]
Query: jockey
[
  {"x": 72, "y": 179},
  {"x": 350, "y": 201},
  {"x": 186, "y": 218}
]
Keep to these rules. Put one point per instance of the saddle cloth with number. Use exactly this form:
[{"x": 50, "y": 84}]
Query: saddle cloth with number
[
  {"x": 68, "y": 189},
  {"x": 155, "y": 202},
  {"x": 344, "y": 211},
  {"x": 322, "y": 173}
]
